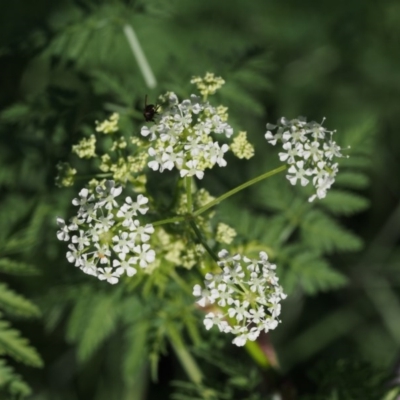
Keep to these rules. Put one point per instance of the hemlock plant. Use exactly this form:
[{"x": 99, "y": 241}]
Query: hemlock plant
[{"x": 118, "y": 232}]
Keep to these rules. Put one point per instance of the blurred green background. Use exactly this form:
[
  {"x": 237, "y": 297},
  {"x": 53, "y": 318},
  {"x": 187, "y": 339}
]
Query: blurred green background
[{"x": 65, "y": 64}]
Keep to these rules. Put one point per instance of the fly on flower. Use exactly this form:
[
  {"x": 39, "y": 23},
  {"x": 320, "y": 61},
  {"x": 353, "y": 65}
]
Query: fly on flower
[{"x": 150, "y": 110}]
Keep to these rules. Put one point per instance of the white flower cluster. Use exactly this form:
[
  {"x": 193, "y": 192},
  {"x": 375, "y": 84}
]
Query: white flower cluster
[
  {"x": 247, "y": 293},
  {"x": 309, "y": 150},
  {"x": 182, "y": 137},
  {"x": 94, "y": 248}
]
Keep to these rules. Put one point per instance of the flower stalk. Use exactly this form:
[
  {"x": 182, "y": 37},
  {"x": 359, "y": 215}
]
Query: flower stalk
[{"x": 237, "y": 189}]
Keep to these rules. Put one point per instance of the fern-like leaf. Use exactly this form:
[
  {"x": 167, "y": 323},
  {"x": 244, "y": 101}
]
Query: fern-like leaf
[
  {"x": 341, "y": 202},
  {"x": 12, "y": 383},
  {"x": 15, "y": 304},
  {"x": 17, "y": 347},
  {"x": 324, "y": 234},
  {"x": 312, "y": 273},
  {"x": 135, "y": 351},
  {"x": 356, "y": 180},
  {"x": 93, "y": 320},
  {"x": 12, "y": 267}
]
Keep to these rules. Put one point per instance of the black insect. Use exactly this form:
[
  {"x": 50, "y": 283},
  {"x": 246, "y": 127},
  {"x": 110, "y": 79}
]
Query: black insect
[{"x": 150, "y": 110}]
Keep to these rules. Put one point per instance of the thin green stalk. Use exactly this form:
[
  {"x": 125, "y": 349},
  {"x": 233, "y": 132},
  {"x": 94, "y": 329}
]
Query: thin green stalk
[
  {"x": 180, "y": 282},
  {"x": 179, "y": 218},
  {"x": 238, "y": 189},
  {"x": 188, "y": 362},
  {"x": 254, "y": 350},
  {"x": 202, "y": 241},
  {"x": 81, "y": 177},
  {"x": 141, "y": 59},
  {"x": 188, "y": 182}
]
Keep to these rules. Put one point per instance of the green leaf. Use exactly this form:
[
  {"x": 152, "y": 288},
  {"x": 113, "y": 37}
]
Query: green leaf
[
  {"x": 11, "y": 267},
  {"x": 324, "y": 234},
  {"x": 12, "y": 383},
  {"x": 135, "y": 351},
  {"x": 273, "y": 194},
  {"x": 14, "y": 113},
  {"x": 15, "y": 304},
  {"x": 312, "y": 273},
  {"x": 93, "y": 320},
  {"x": 100, "y": 325},
  {"x": 355, "y": 161},
  {"x": 6, "y": 373},
  {"x": 356, "y": 180},
  {"x": 17, "y": 347},
  {"x": 341, "y": 202}
]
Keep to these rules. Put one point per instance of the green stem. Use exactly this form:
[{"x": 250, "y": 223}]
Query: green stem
[
  {"x": 238, "y": 189},
  {"x": 180, "y": 282},
  {"x": 187, "y": 361},
  {"x": 257, "y": 354},
  {"x": 81, "y": 177},
  {"x": 179, "y": 218},
  {"x": 188, "y": 182},
  {"x": 141, "y": 59},
  {"x": 202, "y": 241}
]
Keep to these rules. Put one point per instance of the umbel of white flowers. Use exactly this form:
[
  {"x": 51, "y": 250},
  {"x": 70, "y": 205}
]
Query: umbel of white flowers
[
  {"x": 247, "y": 294},
  {"x": 182, "y": 139},
  {"x": 97, "y": 246},
  {"x": 309, "y": 150},
  {"x": 107, "y": 240}
]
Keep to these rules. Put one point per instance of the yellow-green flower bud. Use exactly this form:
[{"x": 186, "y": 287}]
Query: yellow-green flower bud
[
  {"x": 65, "y": 176},
  {"x": 209, "y": 84},
  {"x": 109, "y": 125},
  {"x": 241, "y": 148},
  {"x": 86, "y": 148},
  {"x": 225, "y": 234}
]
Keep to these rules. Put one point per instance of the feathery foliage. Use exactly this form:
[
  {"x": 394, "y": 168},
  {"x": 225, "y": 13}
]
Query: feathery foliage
[{"x": 68, "y": 64}]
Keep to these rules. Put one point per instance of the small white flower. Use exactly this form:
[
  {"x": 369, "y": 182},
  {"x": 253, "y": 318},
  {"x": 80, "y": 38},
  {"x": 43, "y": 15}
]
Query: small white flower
[
  {"x": 85, "y": 198},
  {"x": 82, "y": 240},
  {"x": 215, "y": 153},
  {"x": 105, "y": 222},
  {"x": 292, "y": 152},
  {"x": 63, "y": 233},
  {"x": 108, "y": 274},
  {"x": 123, "y": 243},
  {"x": 74, "y": 255},
  {"x": 146, "y": 255},
  {"x": 192, "y": 170},
  {"x": 312, "y": 150},
  {"x": 298, "y": 173},
  {"x": 331, "y": 149},
  {"x": 183, "y": 119},
  {"x": 143, "y": 232},
  {"x": 130, "y": 209},
  {"x": 269, "y": 324},
  {"x": 108, "y": 193},
  {"x": 170, "y": 159},
  {"x": 156, "y": 163},
  {"x": 124, "y": 266},
  {"x": 149, "y": 131},
  {"x": 89, "y": 268},
  {"x": 102, "y": 253},
  {"x": 212, "y": 319},
  {"x": 204, "y": 296},
  {"x": 238, "y": 310}
]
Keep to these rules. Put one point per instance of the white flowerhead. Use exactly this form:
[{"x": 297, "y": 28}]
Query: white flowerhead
[
  {"x": 183, "y": 137},
  {"x": 308, "y": 150},
  {"x": 96, "y": 246},
  {"x": 248, "y": 294}
]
